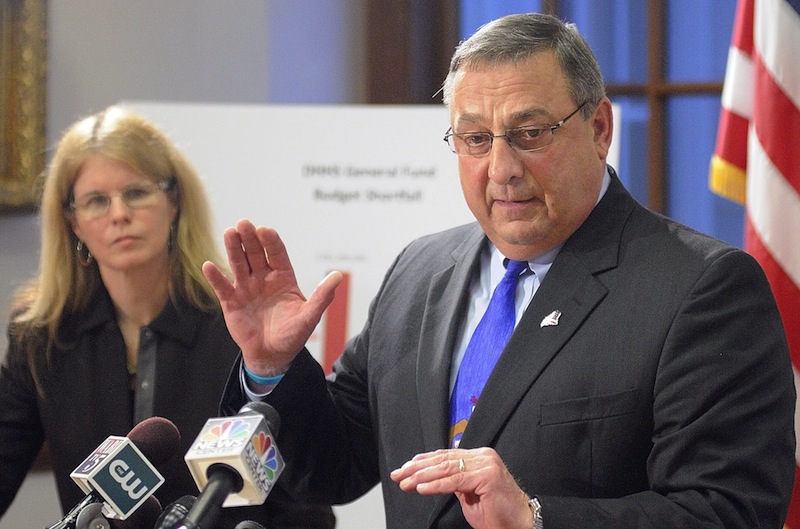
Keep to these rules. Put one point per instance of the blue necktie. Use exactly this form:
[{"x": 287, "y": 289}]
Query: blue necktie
[{"x": 484, "y": 348}]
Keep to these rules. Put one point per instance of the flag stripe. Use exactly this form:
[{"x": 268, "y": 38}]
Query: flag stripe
[
  {"x": 786, "y": 290},
  {"x": 777, "y": 41},
  {"x": 797, "y": 447},
  {"x": 732, "y": 139},
  {"x": 777, "y": 120},
  {"x": 773, "y": 205},
  {"x": 728, "y": 166},
  {"x": 794, "y": 507},
  {"x": 737, "y": 90},
  {"x": 743, "y": 27},
  {"x": 764, "y": 69}
]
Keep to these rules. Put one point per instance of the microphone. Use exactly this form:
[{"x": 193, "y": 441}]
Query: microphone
[
  {"x": 234, "y": 461},
  {"x": 175, "y": 513},
  {"x": 91, "y": 517},
  {"x": 144, "y": 517},
  {"x": 118, "y": 474}
]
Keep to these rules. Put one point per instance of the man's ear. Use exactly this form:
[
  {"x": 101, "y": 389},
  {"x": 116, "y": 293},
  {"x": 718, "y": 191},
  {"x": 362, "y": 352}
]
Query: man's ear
[{"x": 603, "y": 124}]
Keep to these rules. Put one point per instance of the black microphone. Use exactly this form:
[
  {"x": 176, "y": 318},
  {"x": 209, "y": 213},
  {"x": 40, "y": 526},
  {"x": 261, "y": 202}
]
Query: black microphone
[
  {"x": 175, "y": 513},
  {"x": 144, "y": 517},
  {"x": 119, "y": 473},
  {"x": 235, "y": 462}
]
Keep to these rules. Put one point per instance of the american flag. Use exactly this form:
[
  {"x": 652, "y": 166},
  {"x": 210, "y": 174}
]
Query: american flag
[{"x": 757, "y": 157}]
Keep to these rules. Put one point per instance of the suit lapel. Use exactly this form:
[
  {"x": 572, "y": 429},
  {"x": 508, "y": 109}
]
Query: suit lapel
[
  {"x": 572, "y": 288},
  {"x": 530, "y": 349},
  {"x": 521, "y": 363},
  {"x": 440, "y": 323}
]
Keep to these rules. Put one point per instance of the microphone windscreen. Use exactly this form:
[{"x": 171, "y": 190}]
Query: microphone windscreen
[
  {"x": 157, "y": 438},
  {"x": 143, "y": 517},
  {"x": 270, "y": 414}
]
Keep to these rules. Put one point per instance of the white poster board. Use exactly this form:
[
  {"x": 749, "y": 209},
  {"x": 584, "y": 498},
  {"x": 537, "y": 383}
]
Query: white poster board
[{"x": 347, "y": 187}]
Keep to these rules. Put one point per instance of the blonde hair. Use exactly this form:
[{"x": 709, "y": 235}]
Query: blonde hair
[{"x": 63, "y": 285}]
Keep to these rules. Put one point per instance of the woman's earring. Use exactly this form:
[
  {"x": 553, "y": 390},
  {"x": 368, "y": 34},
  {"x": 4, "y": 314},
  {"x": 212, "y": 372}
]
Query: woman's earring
[{"x": 83, "y": 260}]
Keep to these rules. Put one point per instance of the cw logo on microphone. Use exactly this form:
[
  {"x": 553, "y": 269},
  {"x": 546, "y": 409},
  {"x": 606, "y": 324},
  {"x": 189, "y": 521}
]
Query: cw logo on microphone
[
  {"x": 122, "y": 474},
  {"x": 127, "y": 480}
]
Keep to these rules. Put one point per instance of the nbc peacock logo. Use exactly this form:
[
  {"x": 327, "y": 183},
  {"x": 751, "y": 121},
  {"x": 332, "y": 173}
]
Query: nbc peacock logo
[
  {"x": 267, "y": 454},
  {"x": 231, "y": 430},
  {"x": 228, "y": 435}
]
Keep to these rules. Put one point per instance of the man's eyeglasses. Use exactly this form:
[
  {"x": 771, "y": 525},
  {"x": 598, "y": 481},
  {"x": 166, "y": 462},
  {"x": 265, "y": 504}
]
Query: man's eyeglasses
[
  {"x": 524, "y": 139},
  {"x": 138, "y": 195}
]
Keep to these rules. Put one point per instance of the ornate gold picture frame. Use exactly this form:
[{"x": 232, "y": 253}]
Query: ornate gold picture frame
[{"x": 23, "y": 73}]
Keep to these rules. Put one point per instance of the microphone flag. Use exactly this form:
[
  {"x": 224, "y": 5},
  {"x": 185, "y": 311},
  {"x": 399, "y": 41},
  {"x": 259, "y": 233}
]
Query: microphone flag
[
  {"x": 121, "y": 474},
  {"x": 243, "y": 442}
]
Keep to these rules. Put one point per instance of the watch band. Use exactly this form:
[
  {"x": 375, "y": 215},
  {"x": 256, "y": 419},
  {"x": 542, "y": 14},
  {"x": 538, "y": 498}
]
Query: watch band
[{"x": 536, "y": 511}]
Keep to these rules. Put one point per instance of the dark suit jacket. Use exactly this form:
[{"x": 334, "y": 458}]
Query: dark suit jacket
[
  {"x": 88, "y": 398},
  {"x": 663, "y": 398}
]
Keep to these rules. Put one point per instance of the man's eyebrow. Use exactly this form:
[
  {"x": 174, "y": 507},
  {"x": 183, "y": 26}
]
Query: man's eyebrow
[
  {"x": 469, "y": 118},
  {"x": 531, "y": 113},
  {"x": 537, "y": 113}
]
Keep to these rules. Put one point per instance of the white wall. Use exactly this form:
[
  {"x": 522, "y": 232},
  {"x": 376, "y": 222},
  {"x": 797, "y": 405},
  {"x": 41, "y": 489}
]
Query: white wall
[{"x": 248, "y": 51}]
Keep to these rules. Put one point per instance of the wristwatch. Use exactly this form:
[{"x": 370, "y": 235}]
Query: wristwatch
[{"x": 536, "y": 510}]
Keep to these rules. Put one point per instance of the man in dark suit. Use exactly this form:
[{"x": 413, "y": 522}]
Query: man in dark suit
[{"x": 647, "y": 382}]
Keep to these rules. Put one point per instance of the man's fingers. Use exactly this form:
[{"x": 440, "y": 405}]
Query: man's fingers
[
  {"x": 326, "y": 290},
  {"x": 254, "y": 250},
  {"x": 237, "y": 259},
  {"x": 221, "y": 284},
  {"x": 438, "y": 472},
  {"x": 269, "y": 240},
  {"x": 320, "y": 299}
]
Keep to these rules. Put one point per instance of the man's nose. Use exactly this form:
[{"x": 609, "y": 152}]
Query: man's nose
[{"x": 504, "y": 161}]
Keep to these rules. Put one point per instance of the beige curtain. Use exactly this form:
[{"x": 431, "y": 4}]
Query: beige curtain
[{"x": 23, "y": 67}]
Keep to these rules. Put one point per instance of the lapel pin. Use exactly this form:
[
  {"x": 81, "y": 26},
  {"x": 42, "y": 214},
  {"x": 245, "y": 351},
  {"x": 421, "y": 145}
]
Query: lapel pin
[{"x": 551, "y": 319}]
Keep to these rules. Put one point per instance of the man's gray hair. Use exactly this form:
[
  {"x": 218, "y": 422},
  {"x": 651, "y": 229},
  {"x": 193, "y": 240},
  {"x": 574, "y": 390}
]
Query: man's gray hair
[{"x": 515, "y": 38}]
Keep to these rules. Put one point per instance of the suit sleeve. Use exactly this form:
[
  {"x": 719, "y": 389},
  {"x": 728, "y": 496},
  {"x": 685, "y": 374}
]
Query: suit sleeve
[
  {"x": 326, "y": 441},
  {"x": 326, "y": 436},
  {"x": 21, "y": 434},
  {"x": 723, "y": 438}
]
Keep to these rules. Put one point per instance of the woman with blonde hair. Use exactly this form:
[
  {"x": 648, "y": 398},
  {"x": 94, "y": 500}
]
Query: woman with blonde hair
[{"x": 119, "y": 324}]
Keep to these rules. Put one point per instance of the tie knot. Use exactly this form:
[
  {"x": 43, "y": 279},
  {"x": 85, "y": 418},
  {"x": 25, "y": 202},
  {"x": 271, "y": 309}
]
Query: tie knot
[{"x": 515, "y": 268}]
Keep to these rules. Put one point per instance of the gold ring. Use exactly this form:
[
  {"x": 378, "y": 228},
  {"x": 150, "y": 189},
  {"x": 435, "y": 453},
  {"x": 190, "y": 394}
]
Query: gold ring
[{"x": 461, "y": 466}]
